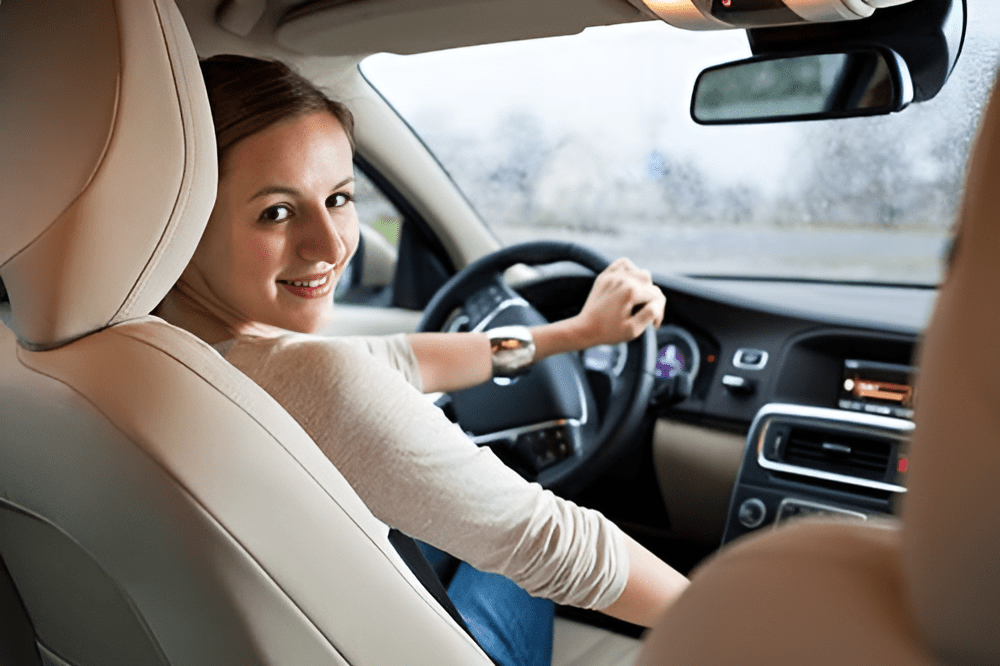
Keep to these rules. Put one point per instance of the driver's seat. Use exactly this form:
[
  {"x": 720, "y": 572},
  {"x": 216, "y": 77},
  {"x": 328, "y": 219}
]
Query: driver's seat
[{"x": 156, "y": 507}]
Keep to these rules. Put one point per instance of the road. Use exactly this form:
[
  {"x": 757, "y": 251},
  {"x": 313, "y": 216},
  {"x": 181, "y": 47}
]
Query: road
[{"x": 854, "y": 255}]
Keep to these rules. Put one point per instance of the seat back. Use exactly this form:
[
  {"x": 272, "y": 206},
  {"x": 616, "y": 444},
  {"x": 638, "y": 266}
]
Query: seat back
[
  {"x": 156, "y": 507},
  {"x": 951, "y": 528}
]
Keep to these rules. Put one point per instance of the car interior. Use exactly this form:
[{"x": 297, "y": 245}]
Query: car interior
[{"x": 816, "y": 454}]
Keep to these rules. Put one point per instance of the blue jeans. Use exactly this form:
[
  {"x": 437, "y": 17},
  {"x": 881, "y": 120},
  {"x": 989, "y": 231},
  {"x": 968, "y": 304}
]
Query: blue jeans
[{"x": 512, "y": 626}]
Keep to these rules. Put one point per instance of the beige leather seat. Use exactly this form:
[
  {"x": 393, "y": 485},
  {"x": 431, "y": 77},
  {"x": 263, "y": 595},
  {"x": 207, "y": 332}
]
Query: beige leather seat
[
  {"x": 925, "y": 592},
  {"x": 155, "y": 506}
]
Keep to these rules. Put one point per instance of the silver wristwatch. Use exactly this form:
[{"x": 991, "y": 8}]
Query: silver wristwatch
[{"x": 512, "y": 349}]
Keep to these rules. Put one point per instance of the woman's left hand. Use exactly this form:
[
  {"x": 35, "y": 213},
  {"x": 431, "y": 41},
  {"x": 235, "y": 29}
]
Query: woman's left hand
[{"x": 621, "y": 304}]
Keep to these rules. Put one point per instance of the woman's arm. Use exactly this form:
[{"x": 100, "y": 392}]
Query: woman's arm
[
  {"x": 418, "y": 472},
  {"x": 652, "y": 586},
  {"x": 622, "y": 302},
  {"x": 451, "y": 361}
]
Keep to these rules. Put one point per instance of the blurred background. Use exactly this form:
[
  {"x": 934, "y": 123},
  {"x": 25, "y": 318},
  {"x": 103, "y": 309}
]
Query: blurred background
[{"x": 589, "y": 138}]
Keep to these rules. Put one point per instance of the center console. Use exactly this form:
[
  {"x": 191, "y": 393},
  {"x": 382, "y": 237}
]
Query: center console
[{"x": 803, "y": 460}]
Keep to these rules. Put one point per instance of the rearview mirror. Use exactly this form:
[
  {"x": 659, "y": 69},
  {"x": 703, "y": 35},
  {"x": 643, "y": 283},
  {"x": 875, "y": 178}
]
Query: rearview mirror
[{"x": 860, "y": 82}]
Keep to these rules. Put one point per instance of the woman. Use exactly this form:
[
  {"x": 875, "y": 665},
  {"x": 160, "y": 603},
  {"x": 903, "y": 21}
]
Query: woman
[{"x": 281, "y": 232}]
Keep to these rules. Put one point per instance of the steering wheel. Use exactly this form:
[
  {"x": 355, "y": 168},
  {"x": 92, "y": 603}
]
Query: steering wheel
[{"x": 565, "y": 419}]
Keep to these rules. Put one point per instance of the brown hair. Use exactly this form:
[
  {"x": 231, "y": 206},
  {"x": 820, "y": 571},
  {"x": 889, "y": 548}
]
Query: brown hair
[{"x": 248, "y": 95}]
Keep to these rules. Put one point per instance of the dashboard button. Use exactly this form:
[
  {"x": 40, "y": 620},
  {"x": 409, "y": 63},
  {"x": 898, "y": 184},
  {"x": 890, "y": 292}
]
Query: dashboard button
[
  {"x": 738, "y": 385},
  {"x": 750, "y": 359},
  {"x": 752, "y": 513}
]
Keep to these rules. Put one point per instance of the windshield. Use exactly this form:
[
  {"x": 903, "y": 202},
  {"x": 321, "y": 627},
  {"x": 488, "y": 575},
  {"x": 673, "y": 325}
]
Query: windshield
[{"x": 588, "y": 138}]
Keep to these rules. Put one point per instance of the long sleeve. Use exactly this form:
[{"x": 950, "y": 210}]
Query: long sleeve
[{"x": 418, "y": 472}]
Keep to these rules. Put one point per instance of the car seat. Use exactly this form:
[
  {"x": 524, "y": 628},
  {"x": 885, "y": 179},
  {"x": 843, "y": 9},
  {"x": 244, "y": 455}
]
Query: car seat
[
  {"x": 156, "y": 507},
  {"x": 923, "y": 592}
]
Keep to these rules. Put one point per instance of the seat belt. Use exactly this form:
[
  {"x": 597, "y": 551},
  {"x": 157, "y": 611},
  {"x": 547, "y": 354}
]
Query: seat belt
[
  {"x": 422, "y": 569},
  {"x": 17, "y": 635}
]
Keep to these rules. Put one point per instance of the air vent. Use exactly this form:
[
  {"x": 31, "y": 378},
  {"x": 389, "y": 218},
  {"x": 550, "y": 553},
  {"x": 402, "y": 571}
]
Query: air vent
[
  {"x": 832, "y": 445},
  {"x": 838, "y": 453}
]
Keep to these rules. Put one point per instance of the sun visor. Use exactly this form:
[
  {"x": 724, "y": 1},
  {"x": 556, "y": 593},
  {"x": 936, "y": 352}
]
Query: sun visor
[
  {"x": 417, "y": 26},
  {"x": 744, "y": 14}
]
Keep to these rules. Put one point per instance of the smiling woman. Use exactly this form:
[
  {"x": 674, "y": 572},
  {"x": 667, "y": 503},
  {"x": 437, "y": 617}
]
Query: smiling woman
[
  {"x": 281, "y": 233},
  {"x": 220, "y": 511},
  {"x": 279, "y": 238}
]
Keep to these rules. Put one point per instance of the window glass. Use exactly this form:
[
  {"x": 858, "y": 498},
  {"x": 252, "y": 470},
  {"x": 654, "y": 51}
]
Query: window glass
[
  {"x": 368, "y": 278},
  {"x": 588, "y": 138},
  {"x": 375, "y": 210}
]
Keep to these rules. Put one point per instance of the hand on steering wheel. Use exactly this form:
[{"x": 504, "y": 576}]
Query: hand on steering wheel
[
  {"x": 622, "y": 303},
  {"x": 547, "y": 424}
]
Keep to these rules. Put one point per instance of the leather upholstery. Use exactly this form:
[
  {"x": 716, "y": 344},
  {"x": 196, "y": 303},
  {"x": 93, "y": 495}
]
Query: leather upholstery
[
  {"x": 951, "y": 533},
  {"x": 925, "y": 592},
  {"x": 112, "y": 162},
  {"x": 155, "y": 505},
  {"x": 220, "y": 520}
]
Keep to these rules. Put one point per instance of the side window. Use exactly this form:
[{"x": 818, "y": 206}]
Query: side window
[
  {"x": 369, "y": 277},
  {"x": 398, "y": 262}
]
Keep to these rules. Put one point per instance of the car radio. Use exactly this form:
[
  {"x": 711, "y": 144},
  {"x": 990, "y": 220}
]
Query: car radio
[{"x": 886, "y": 389}]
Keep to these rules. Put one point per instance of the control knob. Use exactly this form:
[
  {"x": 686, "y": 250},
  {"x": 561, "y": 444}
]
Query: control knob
[{"x": 752, "y": 513}]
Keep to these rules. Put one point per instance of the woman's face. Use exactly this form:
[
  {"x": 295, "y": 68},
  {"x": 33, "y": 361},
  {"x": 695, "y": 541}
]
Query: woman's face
[{"x": 283, "y": 227}]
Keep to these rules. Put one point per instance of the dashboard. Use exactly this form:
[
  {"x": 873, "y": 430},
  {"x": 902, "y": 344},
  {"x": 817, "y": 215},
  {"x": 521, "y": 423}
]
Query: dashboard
[
  {"x": 748, "y": 343},
  {"x": 772, "y": 400},
  {"x": 818, "y": 378}
]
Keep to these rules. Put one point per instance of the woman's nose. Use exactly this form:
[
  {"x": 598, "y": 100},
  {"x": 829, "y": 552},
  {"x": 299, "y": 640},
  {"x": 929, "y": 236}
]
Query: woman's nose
[{"x": 325, "y": 239}]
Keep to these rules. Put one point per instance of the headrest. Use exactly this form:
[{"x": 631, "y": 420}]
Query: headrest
[
  {"x": 951, "y": 528},
  {"x": 108, "y": 161}
]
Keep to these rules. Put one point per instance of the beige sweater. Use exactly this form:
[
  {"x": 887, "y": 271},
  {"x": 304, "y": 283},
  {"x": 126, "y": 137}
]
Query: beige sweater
[{"x": 360, "y": 401}]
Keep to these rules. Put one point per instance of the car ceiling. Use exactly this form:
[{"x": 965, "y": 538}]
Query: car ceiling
[{"x": 355, "y": 28}]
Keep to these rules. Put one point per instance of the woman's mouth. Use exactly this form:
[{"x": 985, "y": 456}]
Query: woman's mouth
[{"x": 309, "y": 286}]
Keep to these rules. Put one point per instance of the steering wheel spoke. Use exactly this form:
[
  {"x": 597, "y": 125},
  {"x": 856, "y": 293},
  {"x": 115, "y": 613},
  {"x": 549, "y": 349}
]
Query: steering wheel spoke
[
  {"x": 532, "y": 449},
  {"x": 559, "y": 423}
]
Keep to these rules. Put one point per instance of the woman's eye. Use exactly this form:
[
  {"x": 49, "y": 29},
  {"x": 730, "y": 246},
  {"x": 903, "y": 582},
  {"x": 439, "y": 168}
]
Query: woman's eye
[
  {"x": 339, "y": 199},
  {"x": 276, "y": 213}
]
